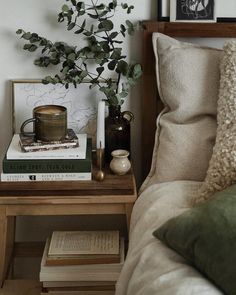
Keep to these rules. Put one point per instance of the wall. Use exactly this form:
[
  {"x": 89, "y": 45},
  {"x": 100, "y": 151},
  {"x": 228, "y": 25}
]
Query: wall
[{"x": 41, "y": 17}]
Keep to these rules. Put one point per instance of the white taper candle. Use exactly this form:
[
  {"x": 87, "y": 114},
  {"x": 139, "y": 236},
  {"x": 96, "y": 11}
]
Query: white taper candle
[{"x": 101, "y": 125}]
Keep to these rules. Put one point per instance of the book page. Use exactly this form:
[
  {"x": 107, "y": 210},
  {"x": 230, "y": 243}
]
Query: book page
[{"x": 84, "y": 242}]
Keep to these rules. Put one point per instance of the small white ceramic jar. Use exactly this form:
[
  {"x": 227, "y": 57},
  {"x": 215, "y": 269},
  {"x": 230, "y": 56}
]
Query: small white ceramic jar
[{"x": 120, "y": 163}]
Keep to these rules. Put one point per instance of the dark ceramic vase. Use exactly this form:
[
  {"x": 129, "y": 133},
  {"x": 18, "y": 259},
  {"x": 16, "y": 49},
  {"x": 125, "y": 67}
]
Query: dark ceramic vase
[{"x": 117, "y": 131}]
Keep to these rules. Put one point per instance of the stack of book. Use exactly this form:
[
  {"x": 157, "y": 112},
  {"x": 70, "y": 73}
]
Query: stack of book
[
  {"x": 82, "y": 262},
  {"x": 26, "y": 160}
]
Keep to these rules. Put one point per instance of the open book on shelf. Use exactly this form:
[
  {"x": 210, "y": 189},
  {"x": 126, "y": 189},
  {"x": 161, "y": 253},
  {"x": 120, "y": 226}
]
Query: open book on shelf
[
  {"x": 88, "y": 272},
  {"x": 83, "y": 247},
  {"x": 69, "y": 243}
]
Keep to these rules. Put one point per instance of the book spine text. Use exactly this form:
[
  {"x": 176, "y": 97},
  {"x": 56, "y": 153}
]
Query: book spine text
[
  {"x": 13, "y": 177},
  {"x": 46, "y": 166}
]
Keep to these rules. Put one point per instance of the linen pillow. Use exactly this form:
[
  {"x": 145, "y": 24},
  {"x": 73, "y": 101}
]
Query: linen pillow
[
  {"x": 222, "y": 168},
  {"x": 206, "y": 237},
  {"x": 188, "y": 81}
]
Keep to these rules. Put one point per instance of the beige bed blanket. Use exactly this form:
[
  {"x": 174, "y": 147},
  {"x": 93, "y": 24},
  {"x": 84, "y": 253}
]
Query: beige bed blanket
[{"x": 151, "y": 267}]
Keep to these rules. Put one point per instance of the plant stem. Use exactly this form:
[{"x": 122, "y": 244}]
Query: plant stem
[
  {"x": 109, "y": 40},
  {"x": 117, "y": 83}
]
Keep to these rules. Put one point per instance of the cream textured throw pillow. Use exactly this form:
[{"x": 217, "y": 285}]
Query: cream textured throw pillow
[
  {"x": 188, "y": 77},
  {"x": 222, "y": 168}
]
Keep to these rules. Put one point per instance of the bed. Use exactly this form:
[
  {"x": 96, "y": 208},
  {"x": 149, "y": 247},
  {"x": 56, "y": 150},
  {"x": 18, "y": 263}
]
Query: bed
[{"x": 151, "y": 267}]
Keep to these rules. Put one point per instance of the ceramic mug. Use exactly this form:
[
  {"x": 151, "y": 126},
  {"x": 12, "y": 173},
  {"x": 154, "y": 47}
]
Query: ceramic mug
[{"x": 49, "y": 123}]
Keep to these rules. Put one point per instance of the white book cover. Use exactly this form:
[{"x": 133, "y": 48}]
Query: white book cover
[
  {"x": 91, "y": 272},
  {"x": 14, "y": 151},
  {"x": 15, "y": 177}
]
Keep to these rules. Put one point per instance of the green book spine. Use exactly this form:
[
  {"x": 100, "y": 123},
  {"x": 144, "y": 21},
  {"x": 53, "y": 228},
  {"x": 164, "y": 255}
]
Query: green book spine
[{"x": 50, "y": 166}]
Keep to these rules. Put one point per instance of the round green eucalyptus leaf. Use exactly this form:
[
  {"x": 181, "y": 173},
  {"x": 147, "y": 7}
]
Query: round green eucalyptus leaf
[
  {"x": 137, "y": 71},
  {"x": 26, "y": 36},
  {"x": 112, "y": 64},
  {"x": 114, "y": 35},
  {"x": 72, "y": 56},
  {"x": 100, "y": 70},
  {"x": 122, "y": 67},
  {"x": 65, "y": 8},
  {"x": 19, "y": 31},
  {"x": 71, "y": 26},
  {"x": 33, "y": 47},
  {"x": 106, "y": 25}
]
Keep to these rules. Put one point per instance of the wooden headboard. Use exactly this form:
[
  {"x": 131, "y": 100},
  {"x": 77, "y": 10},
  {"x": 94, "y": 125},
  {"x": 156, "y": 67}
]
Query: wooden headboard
[{"x": 151, "y": 104}]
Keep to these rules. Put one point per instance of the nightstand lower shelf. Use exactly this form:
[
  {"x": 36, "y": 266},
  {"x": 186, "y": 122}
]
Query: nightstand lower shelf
[
  {"x": 116, "y": 195},
  {"x": 18, "y": 286},
  {"x": 33, "y": 287}
]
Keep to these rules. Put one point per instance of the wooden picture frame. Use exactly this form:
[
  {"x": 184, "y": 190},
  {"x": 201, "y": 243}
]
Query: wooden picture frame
[
  {"x": 81, "y": 104},
  {"x": 189, "y": 11},
  {"x": 226, "y": 11},
  {"x": 163, "y": 10}
]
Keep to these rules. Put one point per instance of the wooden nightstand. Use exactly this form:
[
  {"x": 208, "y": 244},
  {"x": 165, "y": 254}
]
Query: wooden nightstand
[{"x": 115, "y": 195}]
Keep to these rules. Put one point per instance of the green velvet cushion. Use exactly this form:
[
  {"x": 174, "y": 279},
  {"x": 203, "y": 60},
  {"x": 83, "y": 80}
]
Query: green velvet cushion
[{"x": 206, "y": 237}]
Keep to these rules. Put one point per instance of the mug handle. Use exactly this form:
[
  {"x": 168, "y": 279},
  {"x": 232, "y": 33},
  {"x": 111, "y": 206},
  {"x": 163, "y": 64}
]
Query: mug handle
[
  {"x": 128, "y": 115},
  {"x": 22, "y": 131}
]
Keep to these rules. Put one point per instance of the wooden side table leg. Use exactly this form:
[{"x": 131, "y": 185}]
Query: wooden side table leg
[
  {"x": 7, "y": 234},
  {"x": 128, "y": 211}
]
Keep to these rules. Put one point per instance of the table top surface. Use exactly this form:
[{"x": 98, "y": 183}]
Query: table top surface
[{"x": 111, "y": 185}]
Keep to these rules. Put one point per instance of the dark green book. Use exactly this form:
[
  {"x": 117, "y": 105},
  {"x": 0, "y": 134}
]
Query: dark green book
[{"x": 50, "y": 165}]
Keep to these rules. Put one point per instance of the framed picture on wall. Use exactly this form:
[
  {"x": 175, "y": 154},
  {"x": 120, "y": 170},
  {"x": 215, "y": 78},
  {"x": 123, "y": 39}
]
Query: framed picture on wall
[
  {"x": 163, "y": 10},
  {"x": 80, "y": 102},
  {"x": 192, "y": 11},
  {"x": 226, "y": 11}
]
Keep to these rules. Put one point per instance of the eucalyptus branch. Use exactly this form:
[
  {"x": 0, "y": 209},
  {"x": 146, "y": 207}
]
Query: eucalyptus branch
[
  {"x": 118, "y": 81},
  {"x": 90, "y": 74},
  {"x": 103, "y": 49},
  {"x": 100, "y": 21},
  {"x": 84, "y": 29}
]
